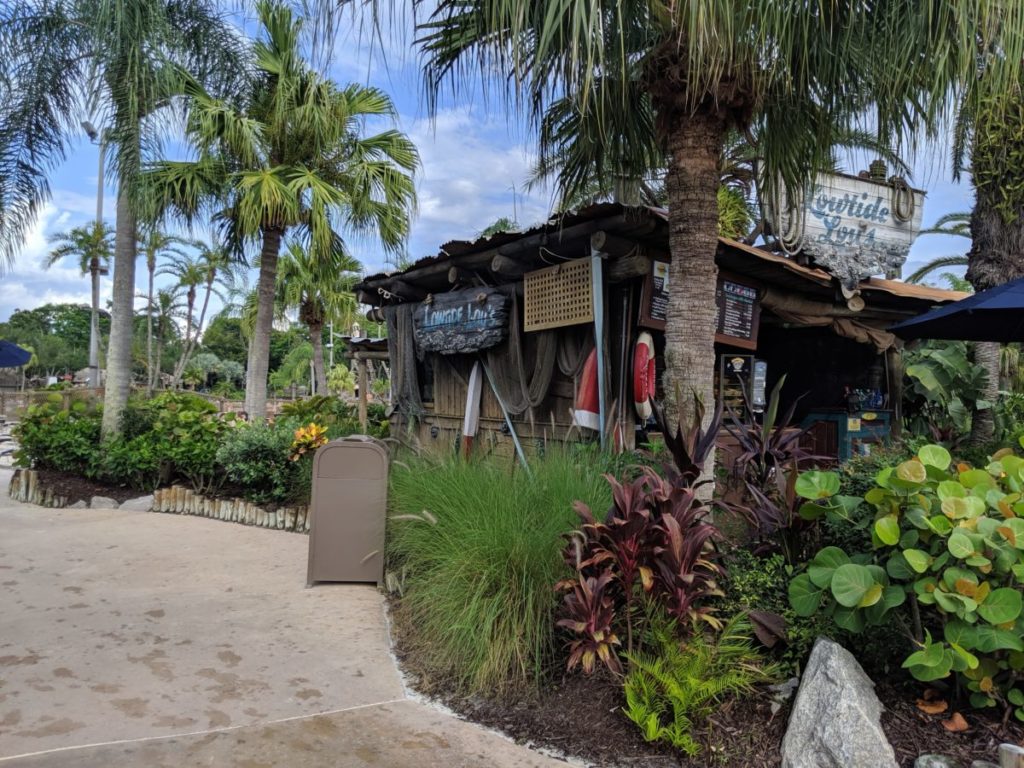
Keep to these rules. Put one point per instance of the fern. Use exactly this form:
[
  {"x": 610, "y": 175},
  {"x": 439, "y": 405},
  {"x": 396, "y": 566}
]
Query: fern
[{"x": 677, "y": 685}]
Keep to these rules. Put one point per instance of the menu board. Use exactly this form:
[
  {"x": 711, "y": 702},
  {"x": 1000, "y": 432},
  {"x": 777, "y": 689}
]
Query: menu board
[
  {"x": 737, "y": 302},
  {"x": 738, "y": 313}
]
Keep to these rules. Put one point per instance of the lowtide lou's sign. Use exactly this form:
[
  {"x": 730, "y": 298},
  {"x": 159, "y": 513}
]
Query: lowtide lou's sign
[
  {"x": 854, "y": 227},
  {"x": 460, "y": 322}
]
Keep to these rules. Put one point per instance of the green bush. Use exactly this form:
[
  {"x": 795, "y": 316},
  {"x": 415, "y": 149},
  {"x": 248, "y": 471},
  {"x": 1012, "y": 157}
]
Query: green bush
[
  {"x": 133, "y": 462},
  {"x": 52, "y": 438},
  {"x": 676, "y": 685},
  {"x": 479, "y": 545},
  {"x": 947, "y": 567},
  {"x": 255, "y": 458}
]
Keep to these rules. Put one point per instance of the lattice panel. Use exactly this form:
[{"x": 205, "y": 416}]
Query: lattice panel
[{"x": 557, "y": 296}]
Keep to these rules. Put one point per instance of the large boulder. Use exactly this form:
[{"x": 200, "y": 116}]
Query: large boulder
[
  {"x": 102, "y": 502},
  {"x": 835, "y": 719},
  {"x": 141, "y": 504}
]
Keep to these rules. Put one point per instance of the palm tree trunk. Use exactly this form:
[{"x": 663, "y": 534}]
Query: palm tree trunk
[
  {"x": 190, "y": 348},
  {"x": 694, "y": 143},
  {"x": 259, "y": 346},
  {"x": 983, "y": 425},
  {"x": 119, "y": 354},
  {"x": 179, "y": 368},
  {"x": 94, "y": 324},
  {"x": 159, "y": 352},
  {"x": 150, "y": 377},
  {"x": 316, "y": 337}
]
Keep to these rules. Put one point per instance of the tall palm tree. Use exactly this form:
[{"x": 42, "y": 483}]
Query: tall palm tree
[
  {"x": 695, "y": 69},
  {"x": 957, "y": 224},
  {"x": 70, "y": 60},
  {"x": 167, "y": 310},
  {"x": 93, "y": 246},
  {"x": 321, "y": 290},
  {"x": 295, "y": 158},
  {"x": 155, "y": 244},
  {"x": 218, "y": 272}
]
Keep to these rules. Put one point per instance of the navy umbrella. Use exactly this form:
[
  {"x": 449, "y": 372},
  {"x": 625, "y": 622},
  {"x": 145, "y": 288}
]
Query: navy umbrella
[
  {"x": 993, "y": 315},
  {"x": 13, "y": 356}
]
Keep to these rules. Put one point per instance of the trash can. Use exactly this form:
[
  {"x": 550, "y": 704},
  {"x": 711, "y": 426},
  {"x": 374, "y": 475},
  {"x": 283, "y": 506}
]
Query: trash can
[{"x": 347, "y": 511}]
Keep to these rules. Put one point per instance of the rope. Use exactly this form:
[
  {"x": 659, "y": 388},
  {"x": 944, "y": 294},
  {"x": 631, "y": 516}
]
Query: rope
[
  {"x": 573, "y": 350},
  {"x": 508, "y": 362},
  {"x": 903, "y": 202},
  {"x": 405, "y": 385}
]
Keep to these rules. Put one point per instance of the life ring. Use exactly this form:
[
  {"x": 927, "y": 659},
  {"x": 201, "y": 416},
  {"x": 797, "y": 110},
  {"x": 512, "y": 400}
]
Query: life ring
[
  {"x": 586, "y": 414},
  {"x": 643, "y": 375}
]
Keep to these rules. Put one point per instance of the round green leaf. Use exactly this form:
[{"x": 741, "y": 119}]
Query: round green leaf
[
  {"x": 804, "y": 595},
  {"x": 850, "y": 583},
  {"x": 817, "y": 485},
  {"x": 935, "y": 456},
  {"x": 824, "y": 565},
  {"x": 888, "y": 530},
  {"x": 917, "y": 559},
  {"x": 960, "y": 545},
  {"x": 912, "y": 472},
  {"x": 1001, "y": 606}
]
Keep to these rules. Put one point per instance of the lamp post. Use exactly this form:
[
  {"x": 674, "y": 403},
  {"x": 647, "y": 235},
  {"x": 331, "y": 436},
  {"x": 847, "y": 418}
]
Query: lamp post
[{"x": 94, "y": 263}]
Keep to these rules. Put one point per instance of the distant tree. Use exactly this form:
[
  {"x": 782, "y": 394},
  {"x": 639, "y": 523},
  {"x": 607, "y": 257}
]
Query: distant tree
[
  {"x": 223, "y": 337},
  {"x": 155, "y": 246}
]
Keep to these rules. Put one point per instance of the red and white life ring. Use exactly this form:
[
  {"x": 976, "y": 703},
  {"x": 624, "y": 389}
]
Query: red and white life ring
[
  {"x": 587, "y": 411},
  {"x": 643, "y": 375}
]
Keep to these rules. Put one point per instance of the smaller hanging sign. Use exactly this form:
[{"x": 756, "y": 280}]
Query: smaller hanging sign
[
  {"x": 654, "y": 301},
  {"x": 738, "y": 313},
  {"x": 460, "y": 322}
]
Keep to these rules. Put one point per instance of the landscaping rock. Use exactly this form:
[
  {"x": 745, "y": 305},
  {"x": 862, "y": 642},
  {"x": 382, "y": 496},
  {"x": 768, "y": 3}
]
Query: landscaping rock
[
  {"x": 835, "y": 719},
  {"x": 935, "y": 761},
  {"x": 141, "y": 504},
  {"x": 80, "y": 504},
  {"x": 102, "y": 502}
]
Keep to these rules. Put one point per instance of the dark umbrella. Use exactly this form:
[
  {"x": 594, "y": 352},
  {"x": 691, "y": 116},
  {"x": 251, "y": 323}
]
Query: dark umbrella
[
  {"x": 993, "y": 315},
  {"x": 13, "y": 356}
]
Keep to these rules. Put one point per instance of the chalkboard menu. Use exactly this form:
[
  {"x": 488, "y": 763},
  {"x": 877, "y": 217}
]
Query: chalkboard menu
[
  {"x": 654, "y": 307},
  {"x": 738, "y": 313},
  {"x": 460, "y": 322}
]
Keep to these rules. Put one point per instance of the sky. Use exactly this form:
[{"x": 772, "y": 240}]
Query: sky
[{"x": 475, "y": 156}]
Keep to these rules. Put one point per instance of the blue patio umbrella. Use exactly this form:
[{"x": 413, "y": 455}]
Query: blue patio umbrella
[
  {"x": 13, "y": 356},
  {"x": 993, "y": 315}
]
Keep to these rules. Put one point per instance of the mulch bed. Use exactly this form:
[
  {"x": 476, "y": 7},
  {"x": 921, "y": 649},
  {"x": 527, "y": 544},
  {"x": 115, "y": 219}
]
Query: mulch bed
[
  {"x": 581, "y": 717},
  {"x": 912, "y": 732},
  {"x": 76, "y": 488}
]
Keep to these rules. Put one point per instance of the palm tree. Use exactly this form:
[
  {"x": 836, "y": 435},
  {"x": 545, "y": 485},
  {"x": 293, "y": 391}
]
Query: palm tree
[
  {"x": 167, "y": 310},
  {"x": 957, "y": 224},
  {"x": 294, "y": 158},
  {"x": 70, "y": 60},
  {"x": 92, "y": 246},
  {"x": 155, "y": 245},
  {"x": 321, "y": 290},
  {"x": 695, "y": 69}
]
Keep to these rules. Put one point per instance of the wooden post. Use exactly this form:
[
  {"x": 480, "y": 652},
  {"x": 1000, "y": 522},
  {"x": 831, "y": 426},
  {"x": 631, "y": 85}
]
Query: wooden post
[
  {"x": 894, "y": 364},
  {"x": 597, "y": 295},
  {"x": 1011, "y": 756},
  {"x": 364, "y": 385}
]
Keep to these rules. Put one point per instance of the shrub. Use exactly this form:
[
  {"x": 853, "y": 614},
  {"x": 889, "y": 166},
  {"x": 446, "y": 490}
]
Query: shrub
[
  {"x": 479, "y": 546},
  {"x": 671, "y": 688},
  {"x": 946, "y": 568},
  {"x": 134, "y": 462},
  {"x": 255, "y": 457},
  {"x": 52, "y": 438}
]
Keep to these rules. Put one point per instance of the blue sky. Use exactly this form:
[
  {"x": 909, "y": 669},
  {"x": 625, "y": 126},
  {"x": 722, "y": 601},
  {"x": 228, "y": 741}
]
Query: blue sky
[{"x": 475, "y": 161}]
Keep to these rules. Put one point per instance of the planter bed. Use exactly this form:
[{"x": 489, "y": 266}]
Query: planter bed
[{"x": 49, "y": 488}]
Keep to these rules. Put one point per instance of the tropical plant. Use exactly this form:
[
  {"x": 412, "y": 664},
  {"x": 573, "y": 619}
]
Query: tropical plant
[
  {"x": 946, "y": 388},
  {"x": 675, "y": 685},
  {"x": 655, "y": 541},
  {"x": 948, "y": 543},
  {"x": 71, "y": 60},
  {"x": 321, "y": 290},
  {"x": 293, "y": 161},
  {"x": 341, "y": 380},
  {"x": 479, "y": 547},
  {"x": 167, "y": 309},
  {"x": 295, "y": 369},
  {"x": 687, "y": 72},
  {"x": 155, "y": 245},
  {"x": 255, "y": 459}
]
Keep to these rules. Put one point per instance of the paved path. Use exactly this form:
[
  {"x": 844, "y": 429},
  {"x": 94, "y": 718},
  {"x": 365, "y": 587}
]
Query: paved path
[{"x": 141, "y": 639}]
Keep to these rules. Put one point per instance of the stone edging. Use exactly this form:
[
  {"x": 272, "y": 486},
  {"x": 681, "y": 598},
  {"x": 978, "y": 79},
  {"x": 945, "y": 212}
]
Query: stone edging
[
  {"x": 184, "y": 501},
  {"x": 177, "y": 499}
]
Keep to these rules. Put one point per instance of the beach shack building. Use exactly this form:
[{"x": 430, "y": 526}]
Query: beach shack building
[{"x": 556, "y": 333}]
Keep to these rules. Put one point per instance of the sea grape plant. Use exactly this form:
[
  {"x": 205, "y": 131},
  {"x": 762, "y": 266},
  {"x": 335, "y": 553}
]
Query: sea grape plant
[
  {"x": 655, "y": 541},
  {"x": 948, "y": 549}
]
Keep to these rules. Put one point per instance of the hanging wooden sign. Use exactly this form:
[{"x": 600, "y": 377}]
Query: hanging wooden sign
[
  {"x": 460, "y": 322},
  {"x": 654, "y": 299}
]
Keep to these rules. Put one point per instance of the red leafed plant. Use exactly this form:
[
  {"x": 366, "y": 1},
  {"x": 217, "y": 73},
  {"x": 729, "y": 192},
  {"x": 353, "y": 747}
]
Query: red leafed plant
[{"x": 654, "y": 541}]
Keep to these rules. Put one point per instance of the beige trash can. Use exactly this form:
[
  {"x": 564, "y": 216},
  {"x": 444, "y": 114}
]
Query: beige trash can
[{"x": 348, "y": 507}]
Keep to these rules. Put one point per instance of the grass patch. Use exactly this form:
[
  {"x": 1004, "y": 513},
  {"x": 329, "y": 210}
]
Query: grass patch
[{"x": 479, "y": 548}]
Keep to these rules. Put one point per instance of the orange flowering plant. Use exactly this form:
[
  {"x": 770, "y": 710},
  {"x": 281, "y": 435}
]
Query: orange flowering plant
[{"x": 307, "y": 439}]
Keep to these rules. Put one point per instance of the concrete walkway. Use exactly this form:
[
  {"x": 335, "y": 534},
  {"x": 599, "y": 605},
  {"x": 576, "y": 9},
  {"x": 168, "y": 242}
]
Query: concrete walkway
[{"x": 142, "y": 639}]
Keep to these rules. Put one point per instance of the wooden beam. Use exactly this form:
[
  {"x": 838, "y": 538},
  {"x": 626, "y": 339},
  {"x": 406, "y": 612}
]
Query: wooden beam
[
  {"x": 364, "y": 297},
  {"x": 612, "y": 245},
  {"x": 365, "y": 354},
  {"x": 364, "y": 386},
  {"x": 375, "y": 315},
  {"x": 628, "y": 267},
  {"x": 503, "y": 265},
  {"x": 405, "y": 291},
  {"x": 459, "y": 275}
]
